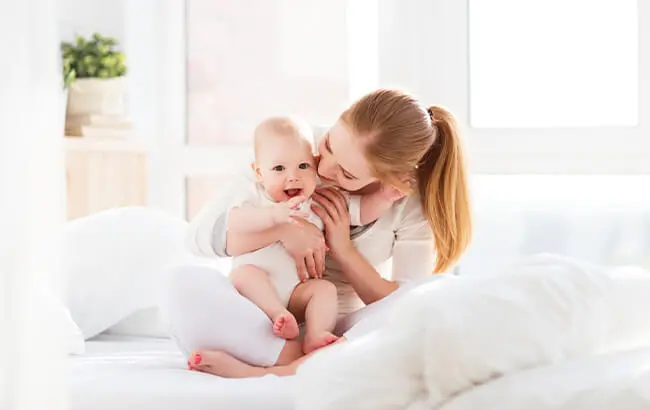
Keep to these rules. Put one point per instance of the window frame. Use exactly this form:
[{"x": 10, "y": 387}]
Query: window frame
[
  {"x": 440, "y": 76},
  {"x": 444, "y": 80}
]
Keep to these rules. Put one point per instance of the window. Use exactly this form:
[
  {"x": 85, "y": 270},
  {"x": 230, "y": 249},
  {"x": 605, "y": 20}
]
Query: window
[
  {"x": 253, "y": 59},
  {"x": 537, "y": 86},
  {"x": 553, "y": 63},
  {"x": 248, "y": 60}
]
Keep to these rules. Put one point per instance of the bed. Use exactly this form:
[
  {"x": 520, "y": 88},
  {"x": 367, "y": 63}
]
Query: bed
[
  {"x": 138, "y": 373},
  {"x": 142, "y": 373},
  {"x": 515, "y": 216}
]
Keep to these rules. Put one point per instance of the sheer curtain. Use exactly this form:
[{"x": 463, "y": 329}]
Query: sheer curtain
[{"x": 32, "y": 195}]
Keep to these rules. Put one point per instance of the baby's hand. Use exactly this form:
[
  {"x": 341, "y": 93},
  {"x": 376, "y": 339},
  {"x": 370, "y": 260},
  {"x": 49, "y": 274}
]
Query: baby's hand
[{"x": 283, "y": 212}]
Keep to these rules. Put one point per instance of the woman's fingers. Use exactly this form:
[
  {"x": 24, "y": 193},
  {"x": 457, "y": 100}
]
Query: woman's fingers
[
  {"x": 311, "y": 265},
  {"x": 327, "y": 205},
  {"x": 336, "y": 198},
  {"x": 323, "y": 215},
  {"x": 301, "y": 266},
  {"x": 319, "y": 258}
]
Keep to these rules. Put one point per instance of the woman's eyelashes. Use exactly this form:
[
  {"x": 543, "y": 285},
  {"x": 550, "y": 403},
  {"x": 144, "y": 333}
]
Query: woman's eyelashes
[{"x": 327, "y": 144}]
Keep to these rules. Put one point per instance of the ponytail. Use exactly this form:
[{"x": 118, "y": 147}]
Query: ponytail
[
  {"x": 410, "y": 148},
  {"x": 442, "y": 185}
]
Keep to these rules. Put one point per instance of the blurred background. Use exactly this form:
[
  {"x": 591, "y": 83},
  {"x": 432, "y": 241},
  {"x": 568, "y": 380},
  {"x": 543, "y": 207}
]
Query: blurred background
[
  {"x": 553, "y": 99},
  {"x": 109, "y": 105},
  {"x": 539, "y": 87}
]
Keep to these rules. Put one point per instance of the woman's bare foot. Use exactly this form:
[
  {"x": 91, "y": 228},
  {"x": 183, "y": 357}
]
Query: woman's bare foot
[
  {"x": 222, "y": 364},
  {"x": 317, "y": 341},
  {"x": 285, "y": 325}
]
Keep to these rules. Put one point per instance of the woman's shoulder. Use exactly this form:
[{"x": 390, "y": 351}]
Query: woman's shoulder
[{"x": 408, "y": 210}]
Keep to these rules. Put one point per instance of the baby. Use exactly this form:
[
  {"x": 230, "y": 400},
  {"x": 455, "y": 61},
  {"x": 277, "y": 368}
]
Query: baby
[{"x": 285, "y": 171}]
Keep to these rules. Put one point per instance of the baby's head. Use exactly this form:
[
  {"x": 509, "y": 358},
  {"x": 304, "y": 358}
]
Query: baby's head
[{"x": 284, "y": 160}]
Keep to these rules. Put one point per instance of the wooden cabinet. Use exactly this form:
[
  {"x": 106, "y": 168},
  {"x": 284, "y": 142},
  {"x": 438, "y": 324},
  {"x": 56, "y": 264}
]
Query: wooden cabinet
[{"x": 104, "y": 174}]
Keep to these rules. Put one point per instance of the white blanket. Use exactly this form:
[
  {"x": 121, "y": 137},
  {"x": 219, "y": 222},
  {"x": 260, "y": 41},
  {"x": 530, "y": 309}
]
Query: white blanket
[{"x": 448, "y": 336}]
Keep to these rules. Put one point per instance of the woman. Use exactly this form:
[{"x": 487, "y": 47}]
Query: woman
[{"x": 386, "y": 140}]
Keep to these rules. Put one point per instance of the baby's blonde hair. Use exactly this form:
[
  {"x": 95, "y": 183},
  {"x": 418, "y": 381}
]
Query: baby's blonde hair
[{"x": 283, "y": 126}]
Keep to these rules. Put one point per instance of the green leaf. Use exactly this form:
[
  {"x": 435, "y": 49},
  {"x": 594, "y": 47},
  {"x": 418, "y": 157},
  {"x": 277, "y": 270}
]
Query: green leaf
[{"x": 92, "y": 57}]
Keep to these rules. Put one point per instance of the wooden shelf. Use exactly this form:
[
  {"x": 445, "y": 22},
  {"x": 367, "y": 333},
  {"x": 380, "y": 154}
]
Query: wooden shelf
[{"x": 103, "y": 174}]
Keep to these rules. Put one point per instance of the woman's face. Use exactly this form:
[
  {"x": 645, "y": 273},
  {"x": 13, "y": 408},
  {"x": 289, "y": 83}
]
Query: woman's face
[{"x": 342, "y": 162}]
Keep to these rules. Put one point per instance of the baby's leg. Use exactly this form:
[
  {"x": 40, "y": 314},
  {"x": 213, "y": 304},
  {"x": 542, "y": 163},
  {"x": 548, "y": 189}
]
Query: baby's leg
[
  {"x": 316, "y": 301},
  {"x": 254, "y": 284}
]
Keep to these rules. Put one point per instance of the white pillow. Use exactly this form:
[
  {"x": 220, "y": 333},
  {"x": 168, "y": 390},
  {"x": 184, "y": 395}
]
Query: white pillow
[
  {"x": 114, "y": 263},
  {"x": 152, "y": 322},
  {"x": 55, "y": 312},
  {"x": 447, "y": 336}
]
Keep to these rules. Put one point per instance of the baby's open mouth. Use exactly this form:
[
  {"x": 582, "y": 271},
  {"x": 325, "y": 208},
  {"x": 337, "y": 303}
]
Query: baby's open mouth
[{"x": 293, "y": 192}]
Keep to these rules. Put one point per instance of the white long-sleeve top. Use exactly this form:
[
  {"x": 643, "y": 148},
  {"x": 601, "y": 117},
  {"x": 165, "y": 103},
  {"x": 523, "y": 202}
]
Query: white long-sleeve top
[{"x": 402, "y": 234}]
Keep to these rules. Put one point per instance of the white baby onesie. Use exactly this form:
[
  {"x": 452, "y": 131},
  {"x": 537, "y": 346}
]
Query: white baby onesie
[{"x": 274, "y": 259}]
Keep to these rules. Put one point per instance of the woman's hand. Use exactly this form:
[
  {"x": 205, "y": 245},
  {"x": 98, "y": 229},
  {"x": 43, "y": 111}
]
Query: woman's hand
[
  {"x": 306, "y": 244},
  {"x": 333, "y": 210}
]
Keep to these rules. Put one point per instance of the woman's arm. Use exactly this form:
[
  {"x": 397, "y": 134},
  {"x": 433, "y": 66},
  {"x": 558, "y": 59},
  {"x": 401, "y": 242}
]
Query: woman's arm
[
  {"x": 364, "y": 278},
  {"x": 413, "y": 250}
]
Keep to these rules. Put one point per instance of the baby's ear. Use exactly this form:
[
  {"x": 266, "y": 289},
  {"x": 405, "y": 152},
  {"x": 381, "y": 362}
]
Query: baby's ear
[{"x": 256, "y": 170}]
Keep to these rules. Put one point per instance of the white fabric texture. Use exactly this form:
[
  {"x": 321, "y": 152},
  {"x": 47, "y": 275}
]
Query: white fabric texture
[
  {"x": 115, "y": 262},
  {"x": 273, "y": 259},
  {"x": 445, "y": 337},
  {"x": 128, "y": 373},
  {"x": 206, "y": 312},
  {"x": 402, "y": 236},
  {"x": 59, "y": 315},
  {"x": 615, "y": 381}
]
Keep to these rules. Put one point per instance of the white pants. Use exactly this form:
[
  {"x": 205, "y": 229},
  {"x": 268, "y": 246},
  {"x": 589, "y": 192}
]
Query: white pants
[{"x": 205, "y": 311}]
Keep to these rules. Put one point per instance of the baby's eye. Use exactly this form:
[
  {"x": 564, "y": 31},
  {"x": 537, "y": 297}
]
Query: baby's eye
[
  {"x": 304, "y": 165},
  {"x": 278, "y": 168}
]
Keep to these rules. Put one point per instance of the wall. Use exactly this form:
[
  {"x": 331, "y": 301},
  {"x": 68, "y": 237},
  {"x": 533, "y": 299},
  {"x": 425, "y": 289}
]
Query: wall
[
  {"x": 87, "y": 16},
  {"x": 136, "y": 25}
]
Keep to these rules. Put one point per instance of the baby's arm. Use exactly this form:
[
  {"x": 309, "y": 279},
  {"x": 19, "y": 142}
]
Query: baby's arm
[{"x": 247, "y": 218}]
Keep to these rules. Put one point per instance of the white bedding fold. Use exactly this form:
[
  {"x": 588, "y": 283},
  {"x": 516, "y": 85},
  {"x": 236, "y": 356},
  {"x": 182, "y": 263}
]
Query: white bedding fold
[{"x": 448, "y": 336}]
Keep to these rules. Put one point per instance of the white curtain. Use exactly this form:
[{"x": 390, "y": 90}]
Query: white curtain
[{"x": 32, "y": 195}]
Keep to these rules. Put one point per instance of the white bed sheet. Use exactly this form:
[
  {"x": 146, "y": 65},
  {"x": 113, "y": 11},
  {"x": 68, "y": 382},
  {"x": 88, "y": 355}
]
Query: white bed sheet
[
  {"x": 617, "y": 381},
  {"x": 130, "y": 373}
]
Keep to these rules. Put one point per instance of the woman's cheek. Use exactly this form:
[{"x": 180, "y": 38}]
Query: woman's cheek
[{"x": 325, "y": 169}]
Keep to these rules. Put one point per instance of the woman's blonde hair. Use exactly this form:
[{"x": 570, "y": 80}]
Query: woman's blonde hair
[{"x": 414, "y": 147}]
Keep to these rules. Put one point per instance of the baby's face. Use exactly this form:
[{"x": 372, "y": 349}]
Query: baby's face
[{"x": 285, "y": 167}]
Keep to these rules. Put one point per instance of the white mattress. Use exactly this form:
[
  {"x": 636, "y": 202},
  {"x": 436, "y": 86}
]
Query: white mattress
[{"x": 126, "y": 373}]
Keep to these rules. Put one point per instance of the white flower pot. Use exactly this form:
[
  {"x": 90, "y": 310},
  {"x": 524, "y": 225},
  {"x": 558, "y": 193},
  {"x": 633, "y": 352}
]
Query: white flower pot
[{"x": 103, "y": 96}]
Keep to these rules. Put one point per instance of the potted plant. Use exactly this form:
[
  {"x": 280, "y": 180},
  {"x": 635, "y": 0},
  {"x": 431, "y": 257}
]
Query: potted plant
[{"x": 93, "y": 72}]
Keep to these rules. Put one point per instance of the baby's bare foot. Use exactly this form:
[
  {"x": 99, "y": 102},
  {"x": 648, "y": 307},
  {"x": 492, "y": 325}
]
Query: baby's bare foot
[
  {"x": 318, "y": 341},
  {"x": 285, "y": 325}
]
